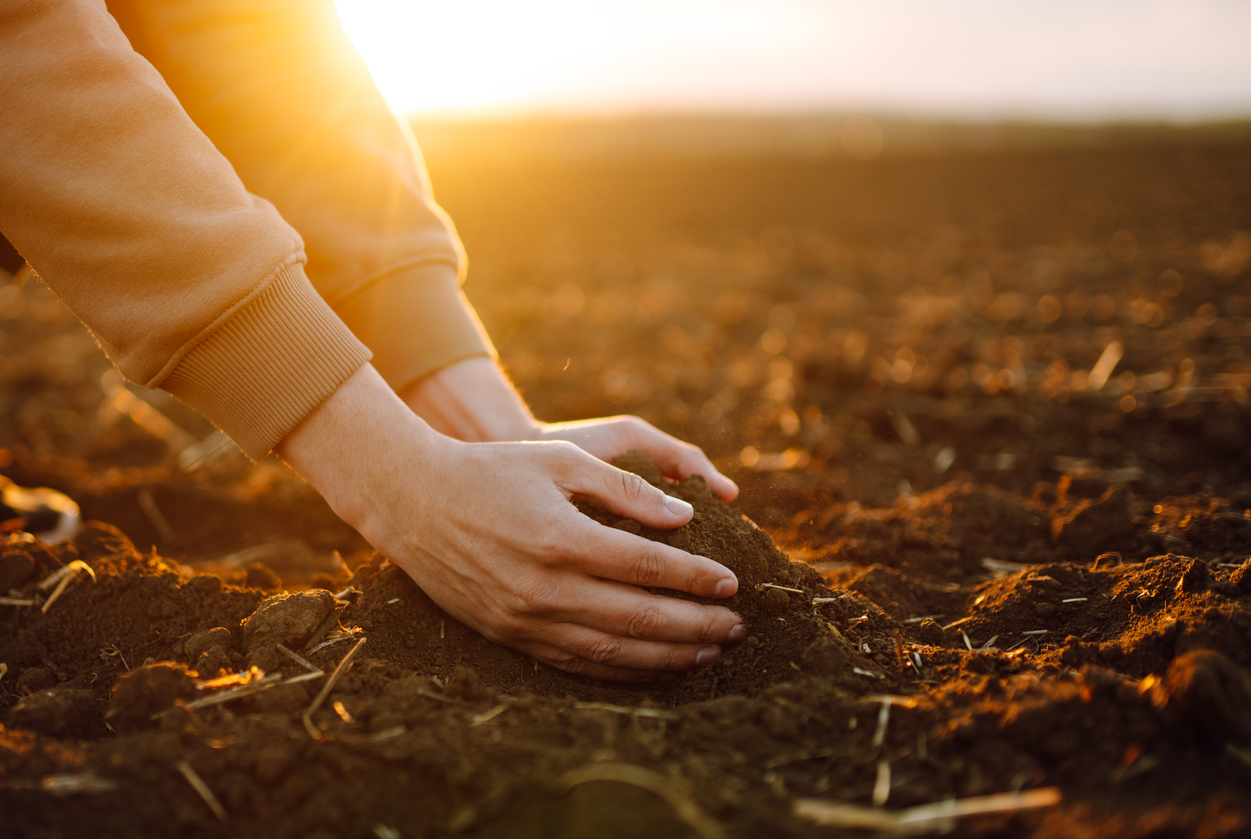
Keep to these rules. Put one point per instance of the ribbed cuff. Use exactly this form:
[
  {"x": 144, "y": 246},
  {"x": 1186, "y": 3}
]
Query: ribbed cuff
[
  {"x": 267, "y": 365},
  {"x": 416, "y": 321}
]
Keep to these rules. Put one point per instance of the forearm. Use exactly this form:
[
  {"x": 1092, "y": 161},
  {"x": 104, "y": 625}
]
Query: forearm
[
  {"x": 344, "y": 446},
  {"x": 280, "y": 90},
  {"x": 473, "y": 401}
]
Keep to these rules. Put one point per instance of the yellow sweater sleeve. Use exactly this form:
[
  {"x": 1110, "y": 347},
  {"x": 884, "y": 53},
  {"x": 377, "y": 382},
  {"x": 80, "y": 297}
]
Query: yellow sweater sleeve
[
  {"x": 280, "y": 90},
  {"x": 142, "y": 227}
]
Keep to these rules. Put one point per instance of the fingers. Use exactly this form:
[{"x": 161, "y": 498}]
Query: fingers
[
  {"x": 677, "y": 459},
  {"x": 623, "y": 493},
  {"x": 616, "y": 555},
  {"x": 570, "y": 663},
  {"x": 598, "y": 647},
  {"x": 681, "y": 460},
  {"x": 626, "y": 611}
]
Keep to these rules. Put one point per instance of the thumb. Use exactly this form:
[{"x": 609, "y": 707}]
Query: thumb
[{"x": 625, "y": 494}]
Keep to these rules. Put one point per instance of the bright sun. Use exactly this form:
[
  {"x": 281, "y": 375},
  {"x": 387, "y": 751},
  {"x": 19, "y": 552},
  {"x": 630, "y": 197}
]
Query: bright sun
[{"x": 493, "y": 55}]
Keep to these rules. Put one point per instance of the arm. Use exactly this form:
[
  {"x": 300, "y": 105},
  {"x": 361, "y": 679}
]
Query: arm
[
  {"x": 488, "y": 531},
  {"x": 280, "y": 90},
  {"x": 474, "y": 401},
  {"x": 142, "y": 228}
]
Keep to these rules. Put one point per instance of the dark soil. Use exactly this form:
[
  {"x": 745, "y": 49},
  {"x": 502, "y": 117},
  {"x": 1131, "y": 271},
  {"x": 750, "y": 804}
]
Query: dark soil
[{"x": 1052, "y": 581}]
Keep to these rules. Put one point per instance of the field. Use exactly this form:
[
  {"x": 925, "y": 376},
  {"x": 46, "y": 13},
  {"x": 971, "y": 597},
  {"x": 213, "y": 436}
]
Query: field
[{"x": 987, "y": 400}]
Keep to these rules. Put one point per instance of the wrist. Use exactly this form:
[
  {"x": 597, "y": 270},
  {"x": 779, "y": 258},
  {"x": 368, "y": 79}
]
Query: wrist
[
  {"x": 352, "y": 443},
  {"x": 472, "y": 401}
]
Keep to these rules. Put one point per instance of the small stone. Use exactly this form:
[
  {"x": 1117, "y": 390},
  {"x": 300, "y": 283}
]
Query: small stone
[
  {"x": 1045, "y": 610},
  {"x": 289, "y": 619},
  {"x": 210, "y": 664},
  {"x": 217, "y": 638}
]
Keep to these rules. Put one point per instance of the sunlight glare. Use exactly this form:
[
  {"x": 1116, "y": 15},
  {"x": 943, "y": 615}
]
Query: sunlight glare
[{"x": 493, "y": 55}]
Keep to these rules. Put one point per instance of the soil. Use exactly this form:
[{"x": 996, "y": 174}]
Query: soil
[{"x": 958, "y": 558}]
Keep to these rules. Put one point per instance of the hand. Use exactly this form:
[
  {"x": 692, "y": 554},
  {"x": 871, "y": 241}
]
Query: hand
[
  {"x": 474, "y": 401},
  {"x": 488, "y": 531},
  {"x": 609, "y": 438}
]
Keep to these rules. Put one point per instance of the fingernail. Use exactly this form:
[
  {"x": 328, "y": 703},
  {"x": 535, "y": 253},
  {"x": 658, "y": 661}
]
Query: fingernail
[
  {"x": 677, "y": 506},
  {"x": 707, "y": 656},
  {"x": 738, "y": 633},
  {"x": 726, "y": 587}
]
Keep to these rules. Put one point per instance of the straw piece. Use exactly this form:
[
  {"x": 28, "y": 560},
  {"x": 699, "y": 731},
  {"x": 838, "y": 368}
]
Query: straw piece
[
  {"x": 881, "y": 786},
  {"x": 64, "y": 577},
  {"x": 239, "y": 692},
  {"x": 327, "y": 687},
  {"x": 782, "y": 588},
  {"x": 654, "y": 713},
  {"x": 923, "y": 818},
  {"x": 298, "y": 659},
  {"x": 1003, "y": 566},
  {"x": 479, "y": 719},
  {"x": 1103, "y": 368},
  {"x": 197, "y": 784}
]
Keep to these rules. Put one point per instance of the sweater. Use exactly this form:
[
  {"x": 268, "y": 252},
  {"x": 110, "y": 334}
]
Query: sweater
[{"x": 155, "y": 178}]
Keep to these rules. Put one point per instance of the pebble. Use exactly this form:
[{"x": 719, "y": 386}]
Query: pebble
[
  {"x": 217, "y": 638},
  {"x": 288, "y": 619}
]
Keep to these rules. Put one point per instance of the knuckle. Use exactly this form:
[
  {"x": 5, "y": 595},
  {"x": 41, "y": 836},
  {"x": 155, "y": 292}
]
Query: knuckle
[
  {"x": 674, "y": 659},
  {"x": 646, "y": 623},
  {"x": 564, "y": 457},
  {"x": 530, "y": 597},
  {"x": 708, "y": 631},
  {"x": 633, "y": 488},
  {"x": 647, "y": 566},
  {"x": 548, "y": 546},
  {"x": 606, "y": 650}
]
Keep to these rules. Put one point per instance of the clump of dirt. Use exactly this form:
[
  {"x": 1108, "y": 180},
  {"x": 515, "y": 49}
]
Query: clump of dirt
[{"x": 793, "y": 619}]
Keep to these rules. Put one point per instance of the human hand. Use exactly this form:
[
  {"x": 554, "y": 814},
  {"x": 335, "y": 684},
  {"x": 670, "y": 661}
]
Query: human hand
[
  {"x": 608, "y": 438},
  {"x": 474, "y": 401},
  {"x": 488, "y": 531}
]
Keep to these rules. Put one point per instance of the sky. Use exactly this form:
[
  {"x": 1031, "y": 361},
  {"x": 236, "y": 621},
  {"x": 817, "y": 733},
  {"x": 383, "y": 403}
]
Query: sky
[{"x": 1049, "y": 59}]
